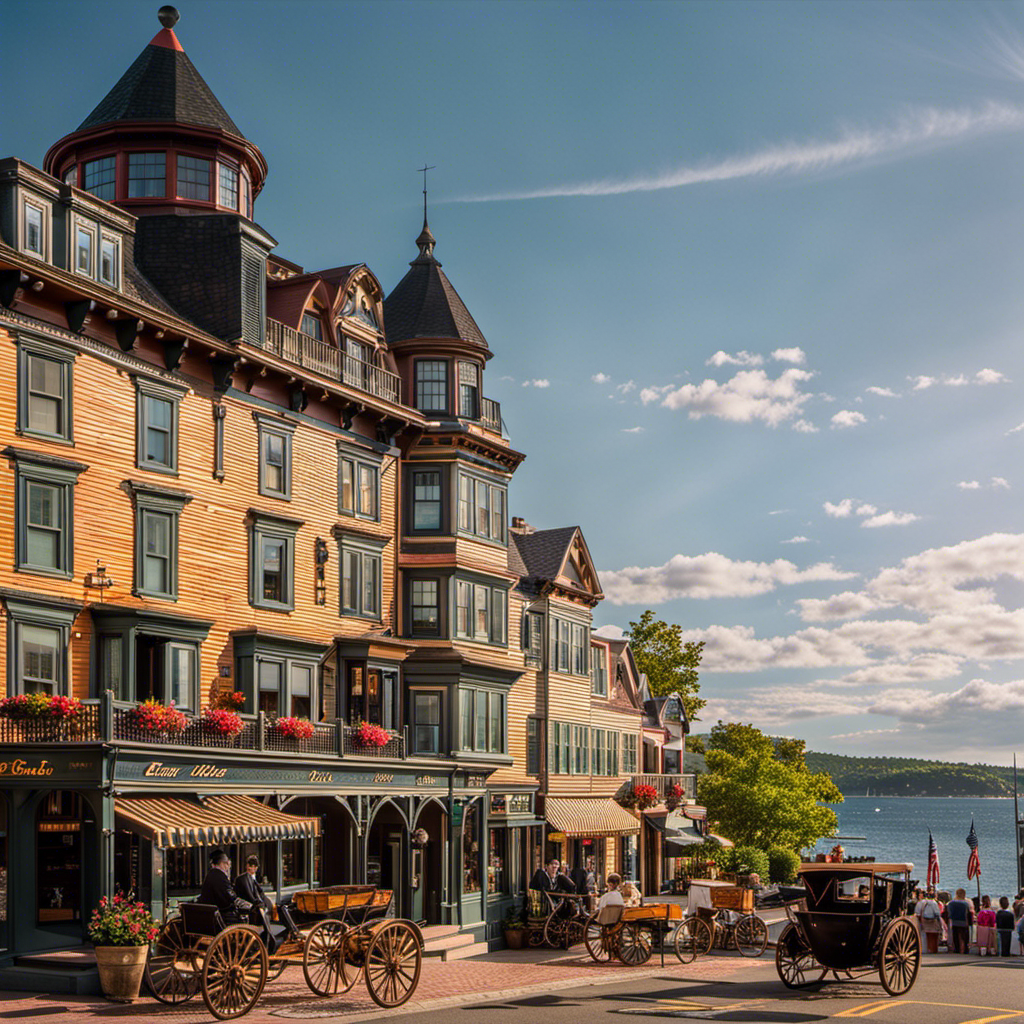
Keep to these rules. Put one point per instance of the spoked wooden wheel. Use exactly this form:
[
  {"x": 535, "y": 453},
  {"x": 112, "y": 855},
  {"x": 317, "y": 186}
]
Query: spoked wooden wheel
[
  {"x": 794, "y": 961},
  {"x": 635, "y": 944},
  {"x": 171, "y": 973},
  {"x": 393, "y": 962},
  {"x": 234, "y": 972},
  {"x": 751, "y": 935},
  {"x": 536, "y": 937},
  {"x": 692, "y": 939},
  {"x": 323, "y": 959},
  {"x": 899, "y": 956},
  {"x": 595, "y": 940},
  {"x": 555, "y": 930}
]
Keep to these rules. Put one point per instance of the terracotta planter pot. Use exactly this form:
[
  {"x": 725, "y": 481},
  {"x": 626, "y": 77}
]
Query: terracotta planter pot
[
  {"x": 515, "y": 939},
  {"x": 121, "y": 969}
]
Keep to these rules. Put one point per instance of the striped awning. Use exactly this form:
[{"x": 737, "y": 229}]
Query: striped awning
[
  {"x": 589, "y": 816},
  {"x": 695, "y": 813},
  {"x": 179, "y": 821}
]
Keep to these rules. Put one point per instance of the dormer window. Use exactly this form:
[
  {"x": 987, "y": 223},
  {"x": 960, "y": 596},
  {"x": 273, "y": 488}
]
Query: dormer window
[
  {"x": 469, "y": 391},
  {"x": 85, "y": 245},
  {"x": 431, "y": 385},
  {"x": 34, "y": 237},
  {"x": 312, "y": 326},
  {"x": 147, "y": 175},
  {"x": 101, "y": 176},
  {"x": 228, "y": 193},
  {"x": 193, "y": 178},
  {"x": 110, "y": 261}
]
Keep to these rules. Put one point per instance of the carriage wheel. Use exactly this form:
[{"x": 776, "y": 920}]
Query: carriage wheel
[
  {"x": 635, "y": 944},
  {"x": 693, "y": 938},
  {"x": 595, "y": 940},
  {"x": 536, "y": 937},
  {"x": 170, "y": 968},
  {"x": 234, "y": 972},
  {"x": 555, "y": 928},
  {"x": 899, "y": 956},
  {"x": 323, "y": 959},
  {"x": 574, "y": 931},
  {"x": 794, "y": 961},
  {"x": 751, "y": 935},
  {"x": 393, "y": 962}
]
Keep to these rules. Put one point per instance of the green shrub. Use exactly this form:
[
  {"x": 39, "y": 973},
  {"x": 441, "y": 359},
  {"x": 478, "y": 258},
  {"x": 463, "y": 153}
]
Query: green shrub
[
  {"x": 782, "y": 865},
  {"x": 747, "y": 859}
]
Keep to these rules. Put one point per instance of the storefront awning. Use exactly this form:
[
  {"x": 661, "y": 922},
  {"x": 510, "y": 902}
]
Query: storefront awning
[
  {"x": 178, "y": 821},
  {"x": 676, "y": 830},
  {"x": 589, "y": 816}
]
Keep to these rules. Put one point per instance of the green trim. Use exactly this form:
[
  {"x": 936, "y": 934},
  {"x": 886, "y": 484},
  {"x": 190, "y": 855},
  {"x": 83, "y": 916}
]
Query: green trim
[
  {"x": 29, "y": 346},
  {"x": 153, "y": 499},
  {"x": 283, "y": 429},
  {"x": 164, "y": 391},
  {"x": 30, "y": 613},
  {"x": 265, "y": 526}
]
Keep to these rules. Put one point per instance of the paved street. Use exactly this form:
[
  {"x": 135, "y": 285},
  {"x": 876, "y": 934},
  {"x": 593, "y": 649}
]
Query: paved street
[{"x": 552, "y": 987}]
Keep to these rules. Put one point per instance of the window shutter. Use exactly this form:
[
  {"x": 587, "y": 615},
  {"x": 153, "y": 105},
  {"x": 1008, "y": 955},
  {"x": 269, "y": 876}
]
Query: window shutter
[
  {"x": 553, "y": 748},
  {"x": 254, "y": 277}
]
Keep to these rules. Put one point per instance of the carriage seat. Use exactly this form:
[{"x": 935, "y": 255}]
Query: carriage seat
[
  {"x": 608, "y": 916},
  {"x": 201, "y": 919}
]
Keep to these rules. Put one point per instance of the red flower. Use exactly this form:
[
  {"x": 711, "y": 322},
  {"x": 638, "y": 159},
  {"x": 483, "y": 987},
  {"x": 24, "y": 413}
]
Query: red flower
[
  {"x": 368, "y": 735},
  {"x": 293, "y": 728},
  {"x": 221, "y": 722}
]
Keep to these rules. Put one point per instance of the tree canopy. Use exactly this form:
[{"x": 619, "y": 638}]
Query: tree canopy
[
  {"x": 761, "y": 793},
  {"x": 669, "y": 664}
]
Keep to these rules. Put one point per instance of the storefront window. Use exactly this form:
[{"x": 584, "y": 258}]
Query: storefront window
[
  {"x": 293, "y": 861},
  {"x": 497, "y": 878},
  {"x": 3, "y": 873},
  {"x": 59, "y": 858},
  {"x": 470, "y": 851}
]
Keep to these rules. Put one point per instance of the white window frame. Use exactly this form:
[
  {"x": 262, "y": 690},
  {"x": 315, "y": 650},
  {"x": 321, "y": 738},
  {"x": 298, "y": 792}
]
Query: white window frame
[
  {"x": 26, "y": 203},
  {"x": 90, "y": 228},
  {"x": 106, "y": 238}
]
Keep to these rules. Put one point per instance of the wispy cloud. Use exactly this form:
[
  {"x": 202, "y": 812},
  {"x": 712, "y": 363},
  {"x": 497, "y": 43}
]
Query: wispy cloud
[
  {"x": 869, "y": 514},
  {"x": 890, "y": 519},
  {"x": 600, "y": 378},
  {"x": 790, "y": 355},
  {"x": 969, "y": 485},
  {"x": 917, "y": 129},
  {"x": 882, "y": 392},
  {"x": 997, "y": 483},
  {"x": 846, "y": 418},
  {"x": 796, "y": 540},
  {"x": 540, "y": 382},
  {"x": 922, "y": 382},
  {"x": 743, "y": 358},
  {"x": 632, "y": 430}
]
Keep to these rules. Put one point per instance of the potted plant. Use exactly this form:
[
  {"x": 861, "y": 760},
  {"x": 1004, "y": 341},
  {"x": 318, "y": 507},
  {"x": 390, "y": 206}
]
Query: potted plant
[
  {"x": 121, "y": 932},
  {"x": 154, "y": 719},
  {"x": 646, "y": 796},
  {"x": 228, "y": 701},
  {"x": 45, "y": 716},
  {"x": 367, "y": 735},
  {"x": 223, "y": 723},
  {"x": 673, "y": 796},
  {"x": 290, "y": 728},
  {"x": 515, "y": 929}
]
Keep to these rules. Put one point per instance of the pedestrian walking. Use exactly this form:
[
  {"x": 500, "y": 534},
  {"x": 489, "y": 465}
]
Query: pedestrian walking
[
  {"x": 929, "y": 921},
  {"x": 960, "y": 914},
  {"x": 986, "y": 928},
  {"x": 1004, "y": 925}
]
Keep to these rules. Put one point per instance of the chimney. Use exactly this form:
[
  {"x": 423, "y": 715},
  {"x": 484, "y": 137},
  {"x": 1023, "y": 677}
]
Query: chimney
[{"x": 520, "y": 525}]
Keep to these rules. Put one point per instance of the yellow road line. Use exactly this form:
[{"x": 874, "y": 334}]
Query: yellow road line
[
  {"x": 867, "y": 1009},
  {"x": 998, "y": 1016}
]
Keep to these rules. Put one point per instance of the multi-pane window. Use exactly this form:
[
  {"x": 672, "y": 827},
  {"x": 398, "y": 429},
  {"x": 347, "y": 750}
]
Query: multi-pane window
[
  {"x": 156, "y": 552},
  {"x": 312, "y": 325},
  {"x": 246, "y": 208},
  {"x": 38, "y": 659},
  {"x": 147, "y": 175},
  {"x": 100, "y": 177},
  {"x": 360, "y": 579},
  {"x": 469, "y": 390},
  {"x": 183, "y": 669},
  {"x": 358, "y": 488},
  {"x": 579, "y": 645},
  {"x": 599, "y": 670},
  {"x": 45, "y": 525},
  {"x": 612, "y": 757},
  {"x": 426, "y": 500},
  {"x": 534, "y": 732},
  {"x": 629, "y": 754},
  {"x": 158, "y": 433},
  {"x": 85, "y": 246},
  {"x": 424, "y": 607},
  {"x": 275, "y": 462},
  {"x": 284, "y": 687},
  {"x": 581, "y": 749},
  {"x": 44, "y": 513},
  {"x": 426, "y": 722},
  {"x": 110, "y": 261},
  {"x": 44, "y": 389},
  {"x": 71, "y": 175},
  {"x": 482, "y": 720},
  {"x": 569, "y": 647},
  {"x": 481, "y": 508},
  {"x": 272, "y": 562},
  {"x": 533, "y": 637},
  {"x": 600, "y": 752},
  {"x": 431, "y": 385},
  {"x": 156, "y": 540},
  {"x": 480, "y": 612},
  {"x": 193, "y": 178},
  {"x": 34, "y": 240},
  {"x": 228, "y": 179}
]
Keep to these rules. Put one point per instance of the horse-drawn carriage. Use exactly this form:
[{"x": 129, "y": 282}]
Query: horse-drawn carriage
[
  {"x": 851, "y": 922},
  {"x": 334, "y": 934}
]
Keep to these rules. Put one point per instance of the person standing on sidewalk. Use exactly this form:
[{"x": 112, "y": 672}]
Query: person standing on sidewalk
[
  {"x": 986, "y": 928},
  {"x": 960, "y": 912},
  {"x": 929, "y": 921},
  {"x": 1004, "y": 925}
]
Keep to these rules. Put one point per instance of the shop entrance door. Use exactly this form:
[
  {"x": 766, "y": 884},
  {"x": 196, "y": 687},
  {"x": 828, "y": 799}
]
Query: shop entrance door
[{"x": 58, "y": 896}]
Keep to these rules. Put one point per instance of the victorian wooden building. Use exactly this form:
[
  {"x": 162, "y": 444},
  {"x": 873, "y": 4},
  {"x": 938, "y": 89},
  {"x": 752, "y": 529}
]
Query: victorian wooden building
[{"x": 224, "y": 474}]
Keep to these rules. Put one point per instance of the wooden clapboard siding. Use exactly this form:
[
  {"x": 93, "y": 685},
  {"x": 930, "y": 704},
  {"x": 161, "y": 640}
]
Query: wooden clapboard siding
[{"x": 213, "y": 538}]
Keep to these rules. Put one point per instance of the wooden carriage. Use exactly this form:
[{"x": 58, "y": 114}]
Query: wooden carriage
[
  {"x": 835, "y": 929},
  {"x": 632, "y": 934},
  {"x": 196, "y": 951}
]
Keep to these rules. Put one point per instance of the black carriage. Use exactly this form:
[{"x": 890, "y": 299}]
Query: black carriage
[
  {"x": 335, "y": 935},
  {"x": 850, "y": 922}
]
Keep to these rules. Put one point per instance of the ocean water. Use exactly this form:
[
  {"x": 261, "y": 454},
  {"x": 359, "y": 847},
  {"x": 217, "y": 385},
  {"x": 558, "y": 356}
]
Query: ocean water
[{"x": 898, "y": 831}]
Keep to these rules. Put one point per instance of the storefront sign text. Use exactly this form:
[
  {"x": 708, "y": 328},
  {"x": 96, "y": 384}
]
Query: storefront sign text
[
  {"x": 199, "y": 771},
  {"x": 315, "y": 776},
  {"x": 426, "y": 780},
  {"x": 24, "y": 768}
]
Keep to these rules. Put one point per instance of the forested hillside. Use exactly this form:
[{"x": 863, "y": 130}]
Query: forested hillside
[{"x": 908, "y": 776}]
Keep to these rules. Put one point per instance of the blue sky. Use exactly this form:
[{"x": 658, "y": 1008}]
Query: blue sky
[{"x": 751, "y": 273}]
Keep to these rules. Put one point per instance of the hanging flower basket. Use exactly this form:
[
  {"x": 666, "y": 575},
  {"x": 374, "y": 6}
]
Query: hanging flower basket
[
  {"x": 40, "y": 706},
  {"x": 219, "y": 722},
  {"x": 228, "y": 701},
  {"x": 673, "y": 796},
  {"x": 366, "y": 735},
  {"x": 292, "y": 728},
  {"x": 646, "y": 796},
  {"x": 154, "y": 719}
]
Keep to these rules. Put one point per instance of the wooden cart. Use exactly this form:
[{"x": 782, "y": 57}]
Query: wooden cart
[
  {"x": 231, "y": 964},
  {"x": 746, "y": 933},
  {"x": 632, "y": 934}
]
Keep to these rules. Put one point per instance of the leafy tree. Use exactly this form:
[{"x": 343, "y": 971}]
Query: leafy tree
[
  {"x": 783, "y": 865},
  {"x": 669, "y": 664},
  {"x": 756, "y": 799},
  {"x": 790, "y": 751},
  {"x": 695, "y": 745}
]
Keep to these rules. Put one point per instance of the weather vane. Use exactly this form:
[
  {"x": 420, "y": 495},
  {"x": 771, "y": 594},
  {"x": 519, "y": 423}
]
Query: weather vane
[{"x": 423, "y": 170}]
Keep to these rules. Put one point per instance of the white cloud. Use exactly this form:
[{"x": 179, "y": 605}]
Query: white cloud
[
  {"x": 959, "y": 380},
  {"x": 866, "y": 509},
  {"x": 969, "y": 485},
  {"x": 805, "y": 427},
  {"x": 749, "y": 396},
  {"x": 1015, "y": 430},
  {"x": 890, "y": 519},
  {"x": 920, "y": 383},
  {"x": 507, "y": 377},
  {"x": 988, "y": 376},
  {"x": 914, "y": 130},
  {"x": 743, "y": 358},
  {"x": 632, "y": 430},
  {"x": 1000, "y": 483},
  {"x": 708, "y": 575},
  {"x": 778, "y": 511},
  {"x": 882, "y": 392},
  {"x": 624, "y": 389},
  {"x": 797, "y": 540},
  {"x": 841, "y": 510},
  {"x": 848, "y": 418},
  {"x": 542, "y": 382},
  {"x": 790, "y": 355},
  {"x": 600, "y": 378}
]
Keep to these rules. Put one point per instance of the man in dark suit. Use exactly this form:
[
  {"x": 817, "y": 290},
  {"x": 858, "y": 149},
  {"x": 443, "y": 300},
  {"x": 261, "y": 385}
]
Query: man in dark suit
[
  {"x": 544, "y": 878},
  {"x": 217, "y": 890},
  {"x": 247, "y": 885}
]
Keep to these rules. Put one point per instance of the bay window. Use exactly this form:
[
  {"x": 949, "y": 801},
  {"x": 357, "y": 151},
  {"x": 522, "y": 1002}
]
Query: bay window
[
  {"x": 482, "y": 720},
  {"x": 482, "y": 508},
  {"x": 480, "y": 612}
]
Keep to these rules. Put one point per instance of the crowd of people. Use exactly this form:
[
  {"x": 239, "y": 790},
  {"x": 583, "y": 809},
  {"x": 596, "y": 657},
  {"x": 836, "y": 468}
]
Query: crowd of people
[
  {"x": 962, "y": 924},
  {"x": 556, "y": 877}
]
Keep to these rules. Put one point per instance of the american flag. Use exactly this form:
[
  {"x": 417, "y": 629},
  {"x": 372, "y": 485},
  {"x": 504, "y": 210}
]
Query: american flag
[
  {"x": 973, "y": 862},
  {"x": 933, "y": 862}
]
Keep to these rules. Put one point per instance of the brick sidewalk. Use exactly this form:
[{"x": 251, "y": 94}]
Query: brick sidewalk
[{"x": 494, "y": 976}]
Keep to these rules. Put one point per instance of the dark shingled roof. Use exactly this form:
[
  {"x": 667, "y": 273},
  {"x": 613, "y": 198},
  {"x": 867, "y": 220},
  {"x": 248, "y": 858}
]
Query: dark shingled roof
[
  {"x": 425, "y": 305},
  {"x": 543, "y": 552},
  {"x": 162, "y": 85}
]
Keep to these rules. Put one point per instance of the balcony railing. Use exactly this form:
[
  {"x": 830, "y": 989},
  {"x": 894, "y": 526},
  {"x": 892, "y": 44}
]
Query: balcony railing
[
  {"x": 109, "y": 721},
  {"x": 329, "y": 361},
  {"x": 688, "y": 784},
  {"x": 490, "y": 414}
]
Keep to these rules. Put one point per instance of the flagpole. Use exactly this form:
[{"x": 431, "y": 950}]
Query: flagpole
[{"x": 1016, "y": 826}]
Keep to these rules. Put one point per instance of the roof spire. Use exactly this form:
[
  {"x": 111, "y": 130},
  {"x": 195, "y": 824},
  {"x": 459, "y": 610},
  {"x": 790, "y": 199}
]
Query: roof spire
[
  {"x": 426, "y": 240},
  {"x": 168, "y": 17}
]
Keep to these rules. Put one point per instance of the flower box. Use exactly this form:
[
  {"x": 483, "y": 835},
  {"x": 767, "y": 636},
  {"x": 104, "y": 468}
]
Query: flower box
[
  {"x": 155, "y": 719},
  {"x": 366, "y": 734},
  {"x": 292, "y": 728},
  {"x": 219, "y": 722}
]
